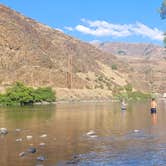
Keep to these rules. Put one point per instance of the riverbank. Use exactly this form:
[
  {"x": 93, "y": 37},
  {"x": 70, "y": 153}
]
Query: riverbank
[
  {"x": 19, "y": 94},
  {"x": 64, "y": 94},
  {"x": 76, "y": 101}
]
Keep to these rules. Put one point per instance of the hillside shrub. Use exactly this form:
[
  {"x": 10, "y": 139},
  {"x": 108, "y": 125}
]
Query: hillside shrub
[
  {"x": 114, "y": 67},
  {"x": 128, "y": 88},
  {"x": 136, "y": 95}
]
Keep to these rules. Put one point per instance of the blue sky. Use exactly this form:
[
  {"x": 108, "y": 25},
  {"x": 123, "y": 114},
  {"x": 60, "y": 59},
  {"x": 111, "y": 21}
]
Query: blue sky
[{"x": 98, "y": 20}]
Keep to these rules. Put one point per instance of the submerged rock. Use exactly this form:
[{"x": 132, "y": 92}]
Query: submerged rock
[
  {"x": 40, "y": 158},
  {"x": 18, "y": 139},
  {"x": 93, "y": 136},
  {"x": 22, "y": 154},
  {"x": 31, "y": 144},
  {"x": 74, "y": 161},
  {"x": 31, "y": 150},
  {"x": 91, "y": 132},
  {"x": 18, "y": 130},
  {"x": 42, "y": 144},
  {"x": 71, "y": 162},
  {"x": 136, "y": 131},
  {"x": 43, "y": 135},
  {"x": 29, "y": 137},
  {"x": 3, "y": 131}
]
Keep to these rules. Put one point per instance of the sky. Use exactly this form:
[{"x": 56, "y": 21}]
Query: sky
[{"x": 98, "y": 20}]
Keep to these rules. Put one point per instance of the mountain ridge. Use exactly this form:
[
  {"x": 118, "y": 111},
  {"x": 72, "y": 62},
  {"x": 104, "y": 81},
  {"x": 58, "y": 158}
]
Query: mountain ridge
[
  {"x": 132, "y": 49},
  {"x": 147, "y": 63}
]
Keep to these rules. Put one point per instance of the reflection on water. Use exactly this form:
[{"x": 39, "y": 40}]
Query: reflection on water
[
  {"x": 84, "y": 134},
  {"x": 154, "y": 119}
]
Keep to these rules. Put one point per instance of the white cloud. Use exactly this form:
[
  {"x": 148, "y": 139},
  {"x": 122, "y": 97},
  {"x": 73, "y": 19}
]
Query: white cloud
[
  {"x": 102, "y": 28},
  {"x": 145, "y": 31},
  {"x": 69, "y": 28}
]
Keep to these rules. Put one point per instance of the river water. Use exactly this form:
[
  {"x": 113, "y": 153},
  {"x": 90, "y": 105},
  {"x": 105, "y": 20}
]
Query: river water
[{"x": 92, "y": 134}]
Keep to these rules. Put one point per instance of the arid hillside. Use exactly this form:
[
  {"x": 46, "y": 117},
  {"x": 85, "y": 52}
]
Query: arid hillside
[
  {"x": 145, "y": 50},
  {"x": 39, "y": 55},
  {"x": 147, "y": 63}
]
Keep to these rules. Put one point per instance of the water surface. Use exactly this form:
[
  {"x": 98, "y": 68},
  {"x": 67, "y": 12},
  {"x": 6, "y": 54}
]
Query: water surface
[{"x": 84, "y": 134}]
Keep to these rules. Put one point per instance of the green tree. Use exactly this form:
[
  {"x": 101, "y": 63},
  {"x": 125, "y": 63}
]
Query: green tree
[
  {"x": 163, "y": 10},
  {"x": 163, "y": 16}
]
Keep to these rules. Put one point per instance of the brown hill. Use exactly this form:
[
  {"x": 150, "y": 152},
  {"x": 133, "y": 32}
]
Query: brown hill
[
  {"x": 38, "y": 55},
  {"x": 147, "y": 63},
  {"x": 146, "y": 50}
]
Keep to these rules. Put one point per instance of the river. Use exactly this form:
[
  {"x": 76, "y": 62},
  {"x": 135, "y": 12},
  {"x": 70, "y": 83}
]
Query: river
[{"x": 92, "y": 134}]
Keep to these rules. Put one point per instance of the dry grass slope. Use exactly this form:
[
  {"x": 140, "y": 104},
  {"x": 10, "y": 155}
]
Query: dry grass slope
[{"x": 37, "y": 55}]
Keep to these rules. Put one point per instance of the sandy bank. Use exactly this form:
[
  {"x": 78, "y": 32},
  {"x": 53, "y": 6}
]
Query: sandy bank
[{"x": 64, "y": 94}]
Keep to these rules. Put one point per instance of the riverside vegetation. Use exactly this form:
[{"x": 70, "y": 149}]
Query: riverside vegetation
[
  {"x": 19, "y": 94},
  {"x": 127, "y": 93}
]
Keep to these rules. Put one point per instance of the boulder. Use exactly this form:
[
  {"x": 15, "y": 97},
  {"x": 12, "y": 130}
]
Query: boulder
[{"x": 3, "y": 131}]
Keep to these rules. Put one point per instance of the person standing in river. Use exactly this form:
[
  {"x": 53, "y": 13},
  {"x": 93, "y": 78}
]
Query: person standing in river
[
  {"x": 153, "y": 110},
  {"x": 153, "y": 106}
]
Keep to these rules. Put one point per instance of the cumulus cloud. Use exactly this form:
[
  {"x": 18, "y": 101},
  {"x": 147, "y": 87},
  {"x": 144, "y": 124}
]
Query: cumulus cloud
[
  {"x": 102, "y": 29},
  {"x": 146, "y": 31}
]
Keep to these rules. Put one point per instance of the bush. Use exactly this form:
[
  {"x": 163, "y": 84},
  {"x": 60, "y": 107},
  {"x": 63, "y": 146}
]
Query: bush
[
  {"x": 121, "y": 52},
  {"x": 19, "y": 94},
  {"x": 137, "y": 95},
  {"x": 114, "y": 67},
  {"x": 44, "y": 94},
  {"x": 128, "y": 88}
]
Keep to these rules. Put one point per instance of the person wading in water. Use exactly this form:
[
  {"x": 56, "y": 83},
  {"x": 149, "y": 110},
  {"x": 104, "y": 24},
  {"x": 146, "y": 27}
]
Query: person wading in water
[{"x": 153, "y": 110}]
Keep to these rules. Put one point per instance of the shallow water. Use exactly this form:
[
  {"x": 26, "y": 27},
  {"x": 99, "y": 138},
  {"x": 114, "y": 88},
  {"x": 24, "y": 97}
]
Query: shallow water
[{"x": 84, "y": 134}]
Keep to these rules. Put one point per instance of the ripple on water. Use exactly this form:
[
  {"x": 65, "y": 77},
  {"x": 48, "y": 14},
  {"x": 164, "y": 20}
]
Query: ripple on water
[{"x": 130, "y": 149}]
